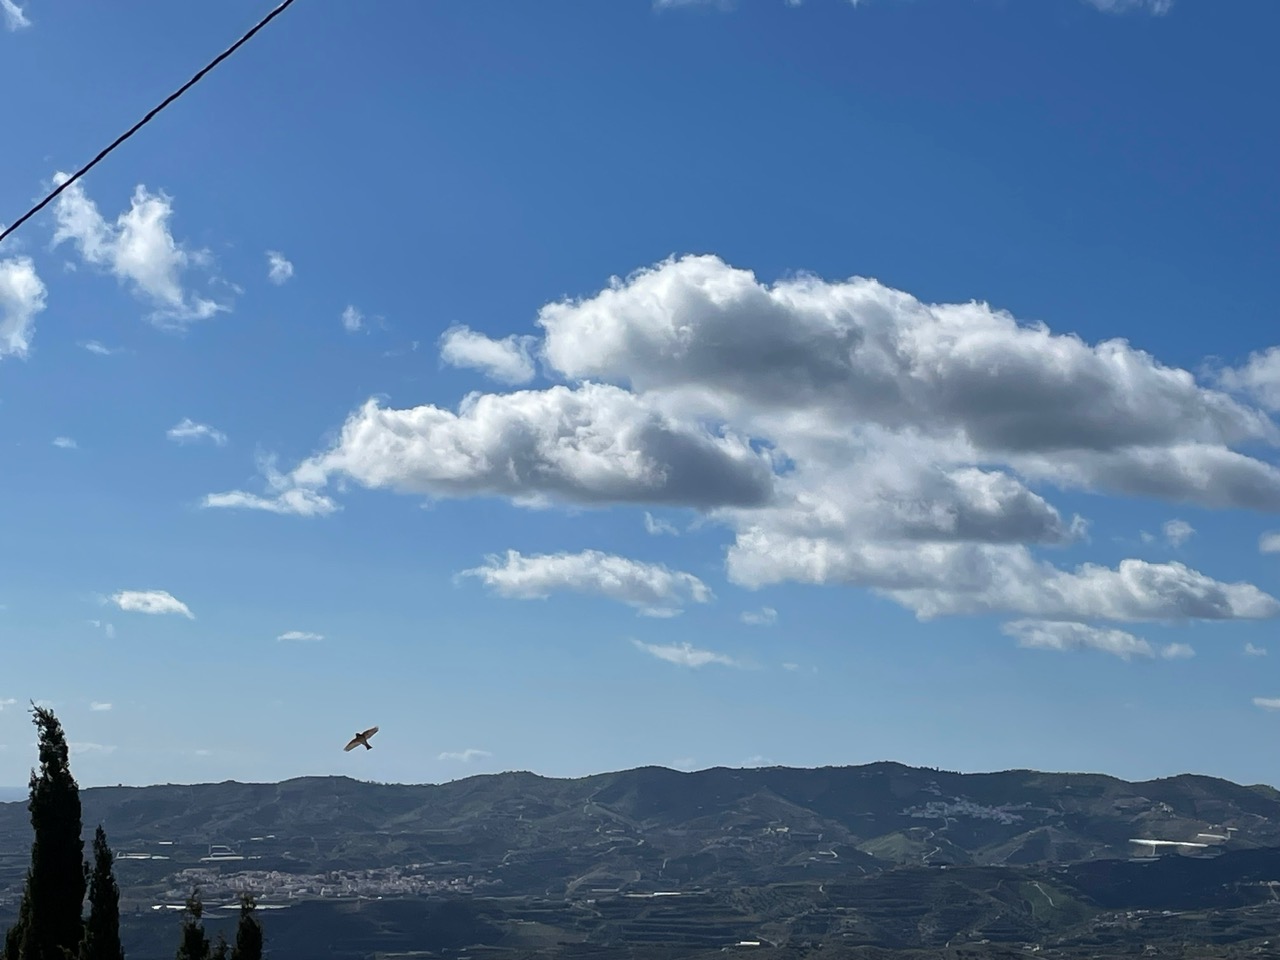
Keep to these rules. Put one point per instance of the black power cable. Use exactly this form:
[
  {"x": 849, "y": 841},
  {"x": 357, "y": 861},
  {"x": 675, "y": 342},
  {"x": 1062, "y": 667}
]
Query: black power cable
[{"x": 145, "y": 120}]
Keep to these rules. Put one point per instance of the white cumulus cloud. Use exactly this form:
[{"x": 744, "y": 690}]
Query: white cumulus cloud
[
  {"x": 188, "y": 429},
  {"x": 279, "y": 269},
  {"x": 137, "y": 249},
  {"x": 506, "y": 360},
  {"x": 1269, "y": 543},
  {"x": 150, "y": 601},
  {"x": 653, "y": 589},
  {"x": 593, "y": 444},
  {"x": 845, "y": 433},
  {"x": 22, "y": 296},
  {"x": 1177, "y": 651},
  {"x": 1177, "y": 532},
  {"x": 684, "y": 654}
]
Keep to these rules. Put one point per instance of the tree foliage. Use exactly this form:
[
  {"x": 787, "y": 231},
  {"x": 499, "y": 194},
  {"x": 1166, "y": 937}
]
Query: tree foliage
[
  {"x": 49, "y": 925},
  {"x": 248, "y": 932},
  {"x": 194, "y": 944},
  {"x": 102, "y": 930}
]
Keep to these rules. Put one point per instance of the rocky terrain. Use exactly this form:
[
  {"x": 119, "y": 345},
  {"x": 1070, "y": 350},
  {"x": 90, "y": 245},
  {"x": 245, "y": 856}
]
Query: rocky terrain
[{"x": 650, "y": 862}]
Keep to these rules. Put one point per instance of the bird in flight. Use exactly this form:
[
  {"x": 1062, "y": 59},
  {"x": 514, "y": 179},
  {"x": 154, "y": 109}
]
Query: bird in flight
[{"x": 361, "y": 739}]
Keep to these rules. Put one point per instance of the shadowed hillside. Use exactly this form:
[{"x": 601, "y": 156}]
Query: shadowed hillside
[{"x": 883, "y": 856}]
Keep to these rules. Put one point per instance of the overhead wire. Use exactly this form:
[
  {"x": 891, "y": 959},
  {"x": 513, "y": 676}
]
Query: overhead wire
[{"x": 145, "y": 120}]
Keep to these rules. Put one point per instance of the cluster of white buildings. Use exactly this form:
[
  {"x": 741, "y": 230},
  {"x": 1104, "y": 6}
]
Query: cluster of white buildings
[{"x": 276, "y": 885}]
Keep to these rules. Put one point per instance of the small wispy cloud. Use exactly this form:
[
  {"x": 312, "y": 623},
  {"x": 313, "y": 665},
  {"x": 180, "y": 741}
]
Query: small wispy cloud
[
  {"x": 15, "y": 17},
  {"x": 465, "y": 756},
  {"x": 764, "y": 617},
  {"x": 108, "y": 630},
  {"x": 1269, "y": 542},
  {"x": 352, "y": 319},
  {"x": 677, "y": 4},
  {"x": 685, "y": 654},
  {"x": 300, "y": 635},
  {"x": 64, "y": 443},
  {"x": 1251, "y": 651},
  {"x": 1267, "y": 703},
  {"x": 657, "y": 527},
  {"x": 99, "y": 706},
  {"x": 138, "y": 249},
  {"x": 1177, "y": 651},
  {"x": 155, "y": 602},
  {"x": 188, "y": 430},
  {"x": 652, "y": 589},
  {"x": 1177, "y": 532},
  {"x": 82, "y": 748},
  {"x": 1064, "y": 636},
  {"x": 1155, "y": 7},
  {"x": 287, "y": 497},
  {"x": 7, "y": 702},
  {"x": 279, "y": 269},
  {"x": 101, "y": 349}
]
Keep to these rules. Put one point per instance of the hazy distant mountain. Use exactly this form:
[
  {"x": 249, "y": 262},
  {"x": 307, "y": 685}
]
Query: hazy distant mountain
[
  {"x": 9, "y": 794},
  {"x": 780, "y": 851}
]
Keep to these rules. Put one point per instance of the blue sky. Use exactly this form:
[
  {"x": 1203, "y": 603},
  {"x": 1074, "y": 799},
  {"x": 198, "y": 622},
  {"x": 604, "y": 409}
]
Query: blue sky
[{"x": 569, "y": 386}]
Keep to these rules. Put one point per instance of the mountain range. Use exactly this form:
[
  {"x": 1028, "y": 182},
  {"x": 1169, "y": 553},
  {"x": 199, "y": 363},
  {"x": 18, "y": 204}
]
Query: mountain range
[{"x": 882, "y": 857}]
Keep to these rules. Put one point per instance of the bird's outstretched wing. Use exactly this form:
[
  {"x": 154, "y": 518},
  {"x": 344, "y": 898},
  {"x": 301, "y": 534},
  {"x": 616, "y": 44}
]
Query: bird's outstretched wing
[
  {"x": 369, "y": 733},
  {"x": 353, "y": 744}
]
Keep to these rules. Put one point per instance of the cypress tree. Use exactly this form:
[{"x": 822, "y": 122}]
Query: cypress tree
[
  {"x": 194, "y": 944},
  {"x": 248, "y": 932},
  {"x": 102, "y": 932},
  {"x": 50, "y": 926},
  {"x": 13, "y": 936},
  {"x": 220, "y": 947}
]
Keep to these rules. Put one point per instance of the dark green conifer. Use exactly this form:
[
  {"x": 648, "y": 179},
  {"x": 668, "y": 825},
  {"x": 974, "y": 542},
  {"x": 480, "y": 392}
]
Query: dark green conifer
[
  {"x": 248, "y": 932},
  {"x": 49, "y": 924},
  {"x": 194, "y": 944},
  {"x": 102, "y": 931}
]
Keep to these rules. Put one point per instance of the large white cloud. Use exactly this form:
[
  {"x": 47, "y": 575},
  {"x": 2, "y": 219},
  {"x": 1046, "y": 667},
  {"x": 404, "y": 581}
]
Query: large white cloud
[
  {"x": 845, "y": 433},
  {"x": 137, "y": 249},
  {"x": 591, "y": 444},
  {"x": 22, "y": 296},
  {"x": 652, "y": 588}
]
